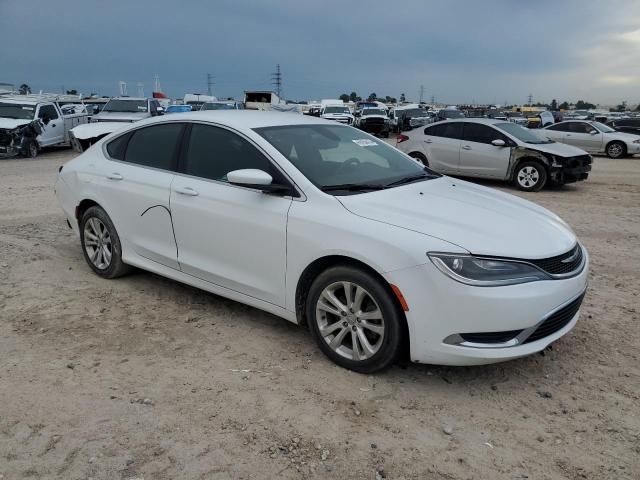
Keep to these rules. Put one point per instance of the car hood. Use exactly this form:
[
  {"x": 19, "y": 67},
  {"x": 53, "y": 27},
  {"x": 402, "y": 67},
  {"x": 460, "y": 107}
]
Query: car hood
[
  {"x": 336, "y": 115},
  {"x": 481, "y": 220},
  {"x": 11, "y": 123},
  {"x": 119, "y": 116},
  {"x": 625, "y": 137},
  {"x": 556, "y": 148}
]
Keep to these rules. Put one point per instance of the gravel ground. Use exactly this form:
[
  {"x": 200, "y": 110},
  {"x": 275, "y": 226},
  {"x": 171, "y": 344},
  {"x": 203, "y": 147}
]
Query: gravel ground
[{"x": 143, "y": 377}]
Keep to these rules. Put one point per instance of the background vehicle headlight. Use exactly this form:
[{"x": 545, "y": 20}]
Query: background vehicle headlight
[{"x": 486, "y": 272}]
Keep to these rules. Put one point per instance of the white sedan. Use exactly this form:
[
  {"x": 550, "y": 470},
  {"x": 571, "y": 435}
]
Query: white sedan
[
  {"x": 594, "y": 137},
  {"x": 495, "y": 149},
  {"x": 327, "y": 226}
]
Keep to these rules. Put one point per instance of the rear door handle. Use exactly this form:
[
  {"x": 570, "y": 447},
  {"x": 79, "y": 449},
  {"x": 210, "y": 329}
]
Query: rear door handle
[
  {"x": 186, "y": 191},
  {"x": 428, "y": 140},
  {"x": 115, "y": 176},
  {"x": 466, "y": 147}
]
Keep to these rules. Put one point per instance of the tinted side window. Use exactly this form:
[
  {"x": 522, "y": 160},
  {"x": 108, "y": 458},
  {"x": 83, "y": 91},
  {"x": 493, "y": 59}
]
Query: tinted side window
[
  {"x": 434, "y": 131},
  {"x": 48, "y": 111},
  {"x": 474, "y": 132},
  {"x": 213, "y": 152},
  {"x": 116, "y": 148},
  {"x": 576, "y": 127},
  {"x": 452, "y": 130},
  {"x": 154, "y": 146},
  {"x": 560, "y": 127}
]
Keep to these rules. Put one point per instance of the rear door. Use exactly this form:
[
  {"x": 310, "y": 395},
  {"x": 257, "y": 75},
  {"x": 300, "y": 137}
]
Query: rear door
[
  {"x": 53, "y": 125},
  {"x": 557, "y": 132},
  {"x": 478, "y": 157},
  {"x": 232, "y": 236},
  {"x": 442, "y": 144},
  {"x": 135, "y": 186}
]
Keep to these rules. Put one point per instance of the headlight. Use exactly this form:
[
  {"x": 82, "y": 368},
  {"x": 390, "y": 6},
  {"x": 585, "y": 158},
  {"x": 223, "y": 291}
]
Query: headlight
[
  {"x": 486, "y": 272},
  {"x": 636, "y": 141}
]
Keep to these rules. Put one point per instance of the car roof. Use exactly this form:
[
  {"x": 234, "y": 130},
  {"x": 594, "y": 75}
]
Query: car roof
[{"x": 243, "y": 119}]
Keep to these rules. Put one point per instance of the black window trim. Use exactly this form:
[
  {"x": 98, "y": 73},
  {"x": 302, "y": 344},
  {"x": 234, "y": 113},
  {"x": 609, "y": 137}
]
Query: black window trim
[
  {"x": 131, "y": 132},
  {"x": 500, "y": 134},
  {"x": 298, "y": 194}
]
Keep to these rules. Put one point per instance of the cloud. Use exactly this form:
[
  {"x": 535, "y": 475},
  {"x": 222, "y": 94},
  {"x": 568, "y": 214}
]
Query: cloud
[{"x": 460, "y": 50}]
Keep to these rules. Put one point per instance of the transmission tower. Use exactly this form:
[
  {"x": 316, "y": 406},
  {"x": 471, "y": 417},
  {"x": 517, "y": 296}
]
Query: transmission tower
[
  {"x": 421, "y": 93},
  {"x": 140, "y": 89},
  {"x": 276, "y": 79},
  {"x": 210, "y": 78},
  {"x": 433, "y": 100},
  {"x": 530, "y": 98},
  {"x": 123, "y": 88}
]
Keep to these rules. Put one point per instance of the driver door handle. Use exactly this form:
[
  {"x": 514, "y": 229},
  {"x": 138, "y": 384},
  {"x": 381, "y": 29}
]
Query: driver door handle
[
  {"x": 186, "y": 191},
  {"x": 114, "y": 176},
  {"x": 428, "y": 140},
  {"x": 466, "y": 147}
]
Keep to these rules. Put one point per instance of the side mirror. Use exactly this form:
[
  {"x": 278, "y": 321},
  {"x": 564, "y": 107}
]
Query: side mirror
[
  {"x": 498, "y": 142},
  {"x": 258, "y": 179},
  {"x": 593, "y": 132}
]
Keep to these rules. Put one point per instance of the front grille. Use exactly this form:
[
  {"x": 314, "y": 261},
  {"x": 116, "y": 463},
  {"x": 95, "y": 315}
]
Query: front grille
[
  {"x": 374, "y": 121},
  {"x": 557, "y": 321},
  {"x": 490, "y": 337},
  {"x": 561, "y": 264}
]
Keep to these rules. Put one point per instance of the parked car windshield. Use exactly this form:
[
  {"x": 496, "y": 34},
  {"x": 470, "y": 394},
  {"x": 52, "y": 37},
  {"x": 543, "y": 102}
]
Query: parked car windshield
[
  {"x": 336, "y": 110},
  {"x": 17, "y": 111},
  {"x": 415, "y": 112},
  {"x": 373, "y": 111},
  {"x": 130, "y": 106},
  {"x": 452, "y": 114},
  {"x": 602, "y": 127},
  {"x": 523, "y": 134},
  {"x": 333, "y": 156},
  {"x": 218, "y": 106}
]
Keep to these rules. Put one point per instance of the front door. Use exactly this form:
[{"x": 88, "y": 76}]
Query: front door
[
  {"x": 442, "y": 144},
  {"x": 232, "y": 236},
  {"x": 52, "y": 125},
  {"x": 479, "y": 157},
  {"x": 585, "y": 136}
]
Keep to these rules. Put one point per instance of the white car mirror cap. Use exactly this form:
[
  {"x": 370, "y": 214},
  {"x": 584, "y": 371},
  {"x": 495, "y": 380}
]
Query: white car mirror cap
[
  {"x": 593, "y": 132},
  {"x": 249, "y": 176},
  {"x": 498, "y": 143}
]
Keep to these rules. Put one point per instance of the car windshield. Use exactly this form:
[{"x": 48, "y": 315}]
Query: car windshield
[
  {"x": 129, "y": 106},
  {"x": 602, "y": 127},
  {"x": 218, "y": 106},
  {"x": 336, "y": 110},
  {"x": 452, "y": 114},
  {"x": 178, "y": 108},
  {"x": 342, "y": 159},
  {"x": 523, "y": 134},
  {"x": 373, "y": 111},
  {"x": 17, "y": 111}
]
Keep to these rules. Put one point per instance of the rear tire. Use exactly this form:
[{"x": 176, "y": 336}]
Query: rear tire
[
  {"x": 530, "y": 176},
  {"x": 420, "y": 157},
  {"x": 101, "y": 244},
  {"x": 616, "y": 149},
  {"x": 348, "y": 306}
]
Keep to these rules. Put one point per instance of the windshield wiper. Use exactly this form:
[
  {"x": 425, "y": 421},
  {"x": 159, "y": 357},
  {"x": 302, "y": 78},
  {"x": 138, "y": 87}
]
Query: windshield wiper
[
  {"x": 409, "y": 179},
  {"x": 353, "y": 187}
]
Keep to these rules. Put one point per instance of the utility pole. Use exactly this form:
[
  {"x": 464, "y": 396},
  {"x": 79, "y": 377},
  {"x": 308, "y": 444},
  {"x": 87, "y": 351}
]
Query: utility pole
[
  {"x": 530, "y": 98},
  {"x": 433, "y": 99},
  {"x": 276, "y": 79},
  {"x": 210, "y": 84},
  {"x": 421, "y": 93}
]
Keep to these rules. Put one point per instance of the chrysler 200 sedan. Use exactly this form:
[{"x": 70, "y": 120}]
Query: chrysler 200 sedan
[{"x": 329, "y": 227}]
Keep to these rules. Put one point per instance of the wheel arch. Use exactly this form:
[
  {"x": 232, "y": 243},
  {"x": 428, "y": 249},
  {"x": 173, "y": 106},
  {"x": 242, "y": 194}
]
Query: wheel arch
[
  {"x": 520, "y": 154},
  {"x": 624, "y": 145},
  {"x": 321, "y": 264}
]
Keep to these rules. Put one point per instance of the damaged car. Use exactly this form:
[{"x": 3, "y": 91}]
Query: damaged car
[
  {"x": 30, "y": 122},
  {"x": 495, "y": 149},
  {"x": 373, "y": 120}
]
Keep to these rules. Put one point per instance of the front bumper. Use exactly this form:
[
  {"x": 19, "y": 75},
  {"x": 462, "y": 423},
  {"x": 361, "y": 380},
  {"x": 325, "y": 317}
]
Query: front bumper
[
  {"x": 441, "y": 308},
  {"x": 633, "y": 148},
  {"x": 571, "y": 169}
]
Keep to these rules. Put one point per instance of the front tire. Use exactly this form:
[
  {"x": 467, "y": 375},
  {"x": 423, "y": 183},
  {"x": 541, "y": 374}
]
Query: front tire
[
  {"x": 530, "y": 176},
  {"x": 354, "y": 319},
  {"x": 420, "y": 157},
  {"x": 616, "y": 150},
  {"x": 101, "y": 244},
  {"x": 31, "y": 149}
]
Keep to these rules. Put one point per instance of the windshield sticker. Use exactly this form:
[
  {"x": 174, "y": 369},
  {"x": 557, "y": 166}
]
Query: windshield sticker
[
  {"x": 364, "y": 142},
  {"x": 28, "y": 108},
  {"x": 142, "y": 107}
]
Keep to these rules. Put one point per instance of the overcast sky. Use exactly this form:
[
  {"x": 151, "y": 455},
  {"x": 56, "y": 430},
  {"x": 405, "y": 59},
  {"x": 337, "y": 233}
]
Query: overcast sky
[{"x": 461, "y": 50}]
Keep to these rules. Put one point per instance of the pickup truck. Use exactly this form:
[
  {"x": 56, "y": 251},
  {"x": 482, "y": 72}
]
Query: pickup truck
[{"x": 30, "y": 122}]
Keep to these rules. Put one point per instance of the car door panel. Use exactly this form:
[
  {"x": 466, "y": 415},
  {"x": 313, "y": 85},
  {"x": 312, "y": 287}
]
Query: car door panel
[
  {"x": 53, "y": 128},
  {"x": 231, "y": 236},
  {"x": 481, "y": 158},
  {"x": 443, "y": 147}
]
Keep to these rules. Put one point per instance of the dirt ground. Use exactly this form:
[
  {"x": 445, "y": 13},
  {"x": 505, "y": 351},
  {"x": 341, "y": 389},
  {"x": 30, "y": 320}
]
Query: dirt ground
[{"x": 145, "y": 378}]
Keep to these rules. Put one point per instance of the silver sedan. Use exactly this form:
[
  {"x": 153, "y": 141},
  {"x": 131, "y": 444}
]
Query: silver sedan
[{"x": 594, "y": 137}]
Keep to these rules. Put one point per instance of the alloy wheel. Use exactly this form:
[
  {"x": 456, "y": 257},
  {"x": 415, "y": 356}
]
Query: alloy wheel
[
  {"x": 350, "y": 321},
  {"x": 528, "y": 176},
  {"x": 97, "y": 243},
  {"x": 615, "y": 150}
]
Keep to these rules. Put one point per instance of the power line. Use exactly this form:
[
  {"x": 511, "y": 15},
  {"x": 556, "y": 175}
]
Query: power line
[{"x": 276, "y": 79}]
